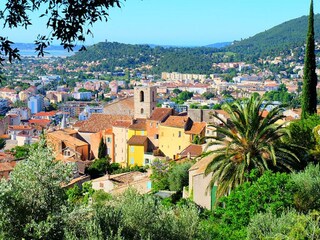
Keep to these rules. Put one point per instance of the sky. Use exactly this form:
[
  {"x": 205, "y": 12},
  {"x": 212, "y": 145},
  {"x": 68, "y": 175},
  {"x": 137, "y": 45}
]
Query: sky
[{"x": 182, "y": 22}]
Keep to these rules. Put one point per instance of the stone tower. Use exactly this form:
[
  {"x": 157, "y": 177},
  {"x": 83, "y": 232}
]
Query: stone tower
[{"x": 145, "y": 100}]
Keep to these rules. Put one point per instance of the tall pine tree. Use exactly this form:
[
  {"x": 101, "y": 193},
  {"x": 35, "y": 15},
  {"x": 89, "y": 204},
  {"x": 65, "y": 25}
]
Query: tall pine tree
[
  {"x": 309, "y": 92},
  {"x": 102, "y": 149}
]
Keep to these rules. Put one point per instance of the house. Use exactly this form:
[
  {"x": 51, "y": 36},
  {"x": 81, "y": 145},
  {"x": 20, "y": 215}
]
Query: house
[
  {"x": 181, "y": 131},
  {"x": 120, "y": 130},
  {"x": 199, "y": 190},
  {"x": 67, "y": 146},
  {"x": 117, "y": 184},
  {"x": 158, "y": 116}
]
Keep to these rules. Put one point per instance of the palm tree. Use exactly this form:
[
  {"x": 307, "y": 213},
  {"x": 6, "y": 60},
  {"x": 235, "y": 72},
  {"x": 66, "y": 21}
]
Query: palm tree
[{"x": 250, "y": 142}]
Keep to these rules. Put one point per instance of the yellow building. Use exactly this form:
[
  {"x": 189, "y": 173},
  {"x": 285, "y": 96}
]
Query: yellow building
[
  {"x": 177, "y": 133},
  {"x": 137, "y": 146},
  {"x": 137, "y": 143},
  {"x": 172, "y": 136}
]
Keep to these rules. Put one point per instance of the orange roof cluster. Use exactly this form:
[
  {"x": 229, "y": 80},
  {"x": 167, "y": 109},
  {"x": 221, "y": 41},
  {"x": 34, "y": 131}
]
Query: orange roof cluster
[
  {"x": 159, "y": 114},
  {"x": 98, "y": 122},
  {"x": 176, "y": 121},
  {"x": 66, "y": 138}
]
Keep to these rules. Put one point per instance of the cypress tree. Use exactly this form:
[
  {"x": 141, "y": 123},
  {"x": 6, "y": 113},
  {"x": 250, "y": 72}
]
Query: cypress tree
[
  {"x": 309, "y": 92},
  {"x": 102, "y": 149}
]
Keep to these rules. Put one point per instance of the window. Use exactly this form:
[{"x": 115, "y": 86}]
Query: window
[
  {"x": 147, "y": 161},
  {"x": 132, "y": 149},
  {"x": 141, "y": 111},
  {"x": 162, "y": 134},
  {"x": 108, "y": 150},
  {"x": 142, "y": 133},
  {"x": 132, "y": 160},
  {"x": 157, "y": 125},
  {"x": 156, "y": 136},
  {"x": 151, "y": 124},
  {"x": 153, "y": 96},
  {"x": 109, "y": 139},
  {"x": 141, "y": 96},
  {"x": 179, "y": 134},
  {"x": 179, "y": 147},
  {"x": 101, "y": 185}
]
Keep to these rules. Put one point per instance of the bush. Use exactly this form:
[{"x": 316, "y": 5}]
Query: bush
[{"x": 289, "y": 225}]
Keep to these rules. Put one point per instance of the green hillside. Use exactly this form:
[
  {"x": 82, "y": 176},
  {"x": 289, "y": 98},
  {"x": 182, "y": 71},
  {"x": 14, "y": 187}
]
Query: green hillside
[
  {"x": 276, "y": 41},
  {"x": 279, "y": 39}
]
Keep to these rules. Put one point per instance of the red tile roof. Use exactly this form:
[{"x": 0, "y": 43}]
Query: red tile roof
[
  {"x": 197, "y": 128},
  {"x": 193, "y": 149},
  {"x": 139, "y": 124},
  {"x": 176, "y": 121},
  {"x": 160, "y": 114},
  {"x": 124, "y": 124},
  {"x": 20, "y": 127},
  {"x": 40, "y": 122},
  {"x": 137, "y": 140},
  {"x": 45, "y": 114},
  {"x": 98, "y": 122}
]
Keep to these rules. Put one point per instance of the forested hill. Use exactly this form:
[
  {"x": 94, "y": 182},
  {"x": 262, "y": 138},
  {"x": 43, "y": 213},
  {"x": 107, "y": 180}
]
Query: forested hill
[
  {"x": 173, "y": 59},
  {"x": 279, "y": 39}
]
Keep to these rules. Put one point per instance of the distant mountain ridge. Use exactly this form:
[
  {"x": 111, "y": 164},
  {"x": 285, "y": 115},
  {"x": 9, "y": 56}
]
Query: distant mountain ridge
[{"x": 281, "y": 38}]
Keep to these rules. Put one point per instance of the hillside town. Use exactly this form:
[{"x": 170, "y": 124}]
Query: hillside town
[{"x": 137, "y": 118}]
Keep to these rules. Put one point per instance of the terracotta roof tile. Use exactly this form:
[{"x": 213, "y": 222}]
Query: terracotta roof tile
[
  {"x": 193, "y": 149},
  {"x": 98, "y": 122},
  {"x": 66, "y": 138},
  {"x": 197, "y": 128},
  {"x": 7, "y": 166},
  {"x": 137, "y": 140},
  {"x": 160, "y": 114},
  {"x": 176, "y": 121},
  {"x": 122, "y": 123},
  {"x": 40, "y": 122},
  {"x": 20, "y": 127},
  {"x": 45, "y": 114},
  {"x": 139, "y": 124}
]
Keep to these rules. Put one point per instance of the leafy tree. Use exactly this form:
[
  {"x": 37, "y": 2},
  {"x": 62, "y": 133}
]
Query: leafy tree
[
  {"x": 289, "y": 225},
  {"x": 176, "y": 91},
  {"x": 179, "y": 176},
  {"x": 185, "y": 95},
  {"x": 159, "y": 176},
  {"x": 307, "y": 189},
  {"x": 302, "y": 135},
  {"x": 32, "y": 203},
  {"x": 102, "y": 149},
  {"x": 271, "y": 192},
  {"x": 251, "y": 142},
  {"x": 98, "y": 168},
  {"x": 309, "y": 92}
]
